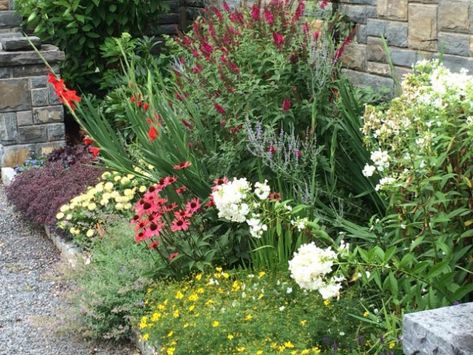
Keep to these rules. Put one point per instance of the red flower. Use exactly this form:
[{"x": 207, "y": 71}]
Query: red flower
[
  {"x": 272, "y": 149},
  {"x": 180, "y": 224},
  {"x": 286, "y": 104},
  {"x": 219, "y": 108},
  {"x": 193, "y": 206},
  {"x": 218, "y": 182},
  {"x": 196, "y": 69},
  {"x": 299, "y": 11},
  {"x": 305, "y": 27},
  {"x": 255, "y": 12},
  {"x": 210, "y": 202},
  {"x": 217, "y": 13},
  {"x": 234, "y": 68},
  {"x": 236, "y": 17},
  {"x": 173, "y": 256},
  {"x": 278, "y": 39},
  {"x": 67, "y": 97},
  {"x": 226, "y": 7},
  {"x": 323, "y": 4},
  {"x": 186, "y": 41},
  {"x": 171, "y": 207},
  {"x": 316, "y": 36},
  {"x": 145, "y": 106},
  {"x": 183, "y": 165},
  {"x": 87, "y": 140},
  {"x": 95, "y": 151},
  {"x": 152, "y": 133},
  {"x": 195, "y": 53},
  {"x": 166, "y": 181},
  {"x": 268, "y": 16},
  {"x": 180, "y": 190},
  {"x": 206, "y": 49},
  {"x": 154, "y": 244},
  {"x": 297, "y": 153}
]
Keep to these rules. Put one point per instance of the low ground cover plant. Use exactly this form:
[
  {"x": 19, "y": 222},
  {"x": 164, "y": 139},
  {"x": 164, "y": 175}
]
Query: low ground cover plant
[{"x": 39, "y": 193}]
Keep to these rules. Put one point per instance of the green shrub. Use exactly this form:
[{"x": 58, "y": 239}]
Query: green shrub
[
  {"x": 81, "y": 27},
  {"x": 110, "y": 289}
]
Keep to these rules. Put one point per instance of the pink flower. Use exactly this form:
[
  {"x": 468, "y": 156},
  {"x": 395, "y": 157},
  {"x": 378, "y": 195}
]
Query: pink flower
[
  {"x": 236, "y": 17},
  {"x": 226, "y": 7},
  {"x": 180, "y": 190},
  {"x": 182, "y": 214},
  {"x": 299, "y": 11},
  {"x": 196, "y": 69},
  {"x": 255, "y": 12},
  {"x": 173, "y": 256},
  {"x": 272, "y": 150},
  {"x": 316, "y": 36},
  {"x": 278, "y": 39},
  {"x": 268, "y": 16},
  {"x": 234, "y": 68},
  {"x": 323, "y": 4},
  {"x": 218, "y": 182},
  {"x": 183, "y": 165},
  {"x": 286, "y": 104},
  {"x": 305, "y": 27},
  {"x": 206, "y": 49},
  {"x": 180, "y": 224},
  {"x": 186, "y": 41},
  {"x": 219, "y": 108},
  {"x": 193, "y": 206},
  {"x": 217, "y": 13}
]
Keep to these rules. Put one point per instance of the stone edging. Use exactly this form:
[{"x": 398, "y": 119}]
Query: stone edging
[{"x": 72, "y": 254}]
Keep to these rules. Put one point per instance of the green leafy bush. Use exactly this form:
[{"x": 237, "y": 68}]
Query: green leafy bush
[
  {"x": 81, "y": 27},
  {"x": 110, "y": 289},
  {"x": 240, "y": 312}
]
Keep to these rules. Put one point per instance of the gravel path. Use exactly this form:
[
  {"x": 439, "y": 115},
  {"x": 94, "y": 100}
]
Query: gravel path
[{"x": 31, "y": 306}]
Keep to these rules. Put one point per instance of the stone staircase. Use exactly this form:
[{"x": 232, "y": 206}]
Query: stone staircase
[{"x": 31, "y": 116}]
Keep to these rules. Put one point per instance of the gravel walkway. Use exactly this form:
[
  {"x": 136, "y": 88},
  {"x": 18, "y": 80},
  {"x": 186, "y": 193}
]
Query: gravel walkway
[{"x": 31, "y": 306}]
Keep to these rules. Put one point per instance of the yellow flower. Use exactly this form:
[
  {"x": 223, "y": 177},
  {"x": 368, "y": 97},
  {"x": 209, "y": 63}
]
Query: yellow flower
[
  {"x": 303, "y": 322},
  {"x": 106, "y": 175},
  {"x": 162, "y": 307},
  {"x": 261, "y": 274},
  {"x": 142, "y": 189},
  {"x": 226, "y": 275},
  {"x": 261, "y": 295},
  {"x": 281, "y": 348},
  {"x": 200, "y": 290},
  {"x": 230, "y": 337},
  {"x": 108, "y": 186},
  {"x": 220, "y": 290},
  {"x": 198, "y": 277},
  {"x": 289, "y": 344},
  {"x": 128, "y": 192},
  {"x": 145, "y": 337},
  {"x": 155, "y": 316},
  {"x": 175, "y": 314},
  {"x": 248, "y": 317},
  {"x": 69, "y": 216},
  {"x": 215, "y": 323},
  {"x": 91, "y": 206},
  {"x": 186, "y": 325},
  {"x": 327, "y": 303},
  {"x": 366, "y": 314},
  {"x": 117, "y": 178},
  {"x": 170, "y": 334},
  {"x": 392, "y": 344},
  {"x": 240, "y": 349},
  {"x": 259, "y": 352},
  {"x": 218, "y": 269},
  {"x": 60, "y": 215},
  {"x": 125, "y": 181},
  {"x": 130, "y": 176},
  {"x": 236, "y": 286},
  {"x": 90, "y": 233},
  {"x": 194, "y": 297},
  {"x": 119, "y": 206},
  {"x": 179, "y": 295},
  {"x": 316, "y": 350},
  {"x": 143, "y": 322},
  {"x": 209, "y": 302},
  {"x": 305, "y": 352},
  {"x": 170, "y": 350},
  {"x": 64, "y": 208},
  {"x": 191, "y": 308}
]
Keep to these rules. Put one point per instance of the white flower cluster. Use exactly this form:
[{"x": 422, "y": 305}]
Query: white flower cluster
[
  {"x": 310, "y": 266},
  {"x": 230, "y": 200}
]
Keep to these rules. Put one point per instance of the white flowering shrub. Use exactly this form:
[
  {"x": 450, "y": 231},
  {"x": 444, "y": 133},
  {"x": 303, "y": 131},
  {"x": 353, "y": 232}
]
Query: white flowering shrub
[
  {"x": 422, "y": 161},
  {"x": 86, "y": 215},
  {"x": 276, "y": 228},
  {"x": 310, "y": 268}
]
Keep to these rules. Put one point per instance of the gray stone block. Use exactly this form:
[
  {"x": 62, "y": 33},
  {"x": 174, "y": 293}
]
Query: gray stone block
[
  {"x": 395, "y": 32},
  {"x": 24, "y": 118},
  {"x": 356, "y": 13},
  {"x": 24, "y": 71},
  {"x": 403, "y": 57},
  {"x": 14, "y": 95},
  {"x": 39, "y": 97},
  {"x": 456, "y": 63},
  {"x": 447, "y": 330},
  {"x": 452, "y": 43},
  {"x": 56, "y": 132},
  {"x": 49, "y": 114},
  {"x": 5, "y": 73},
  {"x": 8, "y": 128},
  {"x": 32, "y": 134},
  {"x": 50, "y": 53},
  {"x": 378, "y": 83},
  {"x": 9, "y": 19},
  {"x": 19, "y": 43},
  {"x": 39, "y": 82},
  {"x": 53, "y": 98},
  {"x": 361, "y": 34}
]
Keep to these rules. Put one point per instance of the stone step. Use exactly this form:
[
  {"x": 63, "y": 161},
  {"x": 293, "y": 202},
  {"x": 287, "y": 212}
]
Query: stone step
[
  {"x": 10, "y": 34},
  {"x": 9, "y": 19},
  {"x": 11, "y": 44}
]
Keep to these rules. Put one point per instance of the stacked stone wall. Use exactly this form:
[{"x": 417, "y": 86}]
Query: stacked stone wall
[{"x": 414, "y": 30}]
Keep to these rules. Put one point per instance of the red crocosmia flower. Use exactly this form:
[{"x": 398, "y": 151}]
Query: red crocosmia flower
[
  {"x": 323, "y": 4},
  {"x": 95, "y": 151},
  {"x": 193, "y": 206},
  {"x": 132, "y": 99},
  {"x": 255, "y": 12},
  {"x": 278, "y": 39},
  {"x": 196, "y": 69},
  {"x": 154, "y": 244},
  {"x": 67, "y": 97},
  {"x": 268, "y": 16},
  {"x": 180, "y": 224},
  {"x": 183, "y": 165},
  {"x": 272, "y": 149},
  {"x": 180, "y": 190},
  {"x": 226, "y": 7},
  {"x": 219, "y": 108},
  {"x": 139, "y": 103},
  {"x": 286, "y": 104},
  {"x": 152, "y": 133},
  {"x": 274, "y": 196},
  {"x": 145, "y": 106},
  {"x": 173, "y": 256},
  {"x": 206, "y": 49},
  {"x": 87, "y": 140},
  {"x": 236, "y": 17}
]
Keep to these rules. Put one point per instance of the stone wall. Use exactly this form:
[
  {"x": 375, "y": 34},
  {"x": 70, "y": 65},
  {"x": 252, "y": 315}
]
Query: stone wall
[
  {"x": 414, "y": 30},
  {"x": 31, "y": 116}
]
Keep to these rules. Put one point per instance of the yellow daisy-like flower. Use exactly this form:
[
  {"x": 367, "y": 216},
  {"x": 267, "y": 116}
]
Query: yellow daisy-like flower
[
  {"x": 259, "y": 352},
  {"x": 191, "y": 308},
  {"x": 240, "y": 349},
  {"x": 289, "y": 344},
  {"x": 179, "y": 295},
  {"x": 316, "y": 350},
  {"x": 305, "y": 352},
  {"x": 194, "y": 297},
  {"x": 303, "y": 322},
  {"x": 143, "y": 322},
  {"x": 170, "y": 334},
  {"x": 142, "y": 189},
  {"x": 215, "y": 323},
  {"x": 392, "y": 345},
  {"x": 64, "y": 208},
  {"x": 261, "y": 274},
  {"x": 108, "y": 186},
  {"x": 106, "y": 175},
  {"x": 209, "y": 302},
  {"x": 69, "y": 216},
  {"x": 200, "y": 290},
  {"x": 218, "y": 269},
  {"x": 230, "y": 337},
  {"x": 155, "y": 316},
  {"x": 90, "y": 233},
  {"x": 60, "y": 215},
  {"x": 175, "y": 314},
  {"x": 198, "y": 277},
  {"x": 162, "y": 307},
  {"x": 366, "y": 314},
  {"x": 327, "y": 303},
  {"x": 170, "y": 350},
  {"x": 91, "y": 206},
  {"x": 248, "y": 317},
  {"x": 236, "y": 286},
  {"x": 145, "y": 337}
]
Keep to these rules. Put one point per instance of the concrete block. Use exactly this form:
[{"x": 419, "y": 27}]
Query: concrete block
[{"x": 447, "y": 330}]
